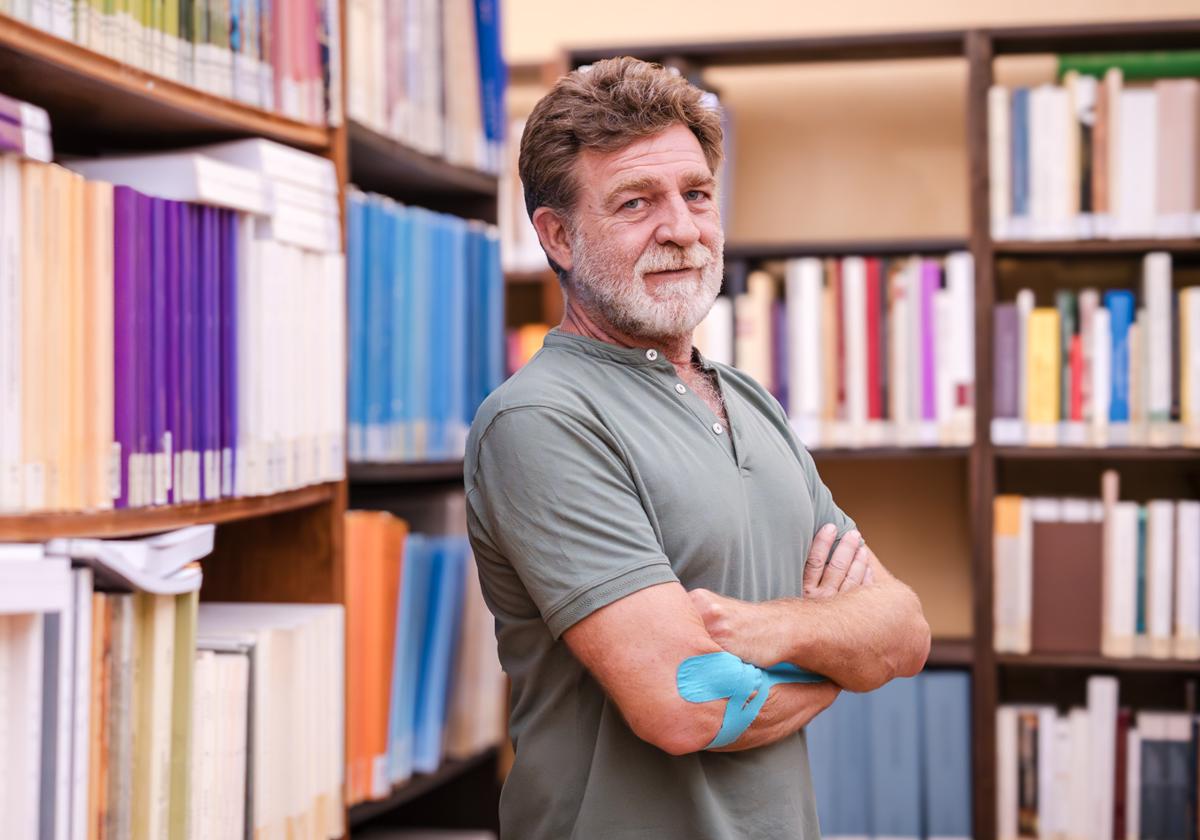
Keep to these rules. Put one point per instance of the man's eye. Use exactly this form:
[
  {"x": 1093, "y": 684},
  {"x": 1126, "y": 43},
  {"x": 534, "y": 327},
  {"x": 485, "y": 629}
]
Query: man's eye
[
  {"x": 695, "y": 195},
  {"x": 632, "y": 204}
]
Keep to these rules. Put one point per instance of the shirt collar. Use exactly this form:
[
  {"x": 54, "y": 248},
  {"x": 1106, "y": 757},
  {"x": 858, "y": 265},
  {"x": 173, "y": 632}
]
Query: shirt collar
[{"x": 644, "y": 356}]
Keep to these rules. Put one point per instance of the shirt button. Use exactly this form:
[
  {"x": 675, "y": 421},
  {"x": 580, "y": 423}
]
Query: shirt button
[
  {"x": 652, "y": 354},
  {"x": 679, "y": 389},
  {"x": 718, "y": 428}
]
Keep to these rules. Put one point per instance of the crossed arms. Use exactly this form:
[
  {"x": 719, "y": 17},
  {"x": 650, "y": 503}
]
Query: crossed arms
[{"x": 857, "y": 625}]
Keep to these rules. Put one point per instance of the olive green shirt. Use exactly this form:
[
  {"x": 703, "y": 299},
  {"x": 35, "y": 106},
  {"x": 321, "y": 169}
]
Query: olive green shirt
[{"x": 592, "y": 473}]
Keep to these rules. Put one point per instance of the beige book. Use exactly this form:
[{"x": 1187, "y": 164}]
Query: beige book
[
  {"x": 1178, "y": 105},
  {"x": 56, "y": 314},
  {"x": 1110, "y": 490},
  {"x": 753, "y": 313},
  {"x": 97, "y": 434},
  {"x": 181, "y": 713},
  {"x": 72, "y": 495},
  {"x": 152, "y": 711},
  {"x": 34, "y": 374}
]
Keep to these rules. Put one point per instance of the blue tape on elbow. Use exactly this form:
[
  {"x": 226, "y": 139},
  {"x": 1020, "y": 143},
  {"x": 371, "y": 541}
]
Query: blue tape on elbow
[{"x": 744, "y": 687}]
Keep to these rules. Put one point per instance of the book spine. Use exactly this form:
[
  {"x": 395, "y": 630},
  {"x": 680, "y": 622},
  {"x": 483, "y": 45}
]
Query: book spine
[{"x": 229, "y": 355}]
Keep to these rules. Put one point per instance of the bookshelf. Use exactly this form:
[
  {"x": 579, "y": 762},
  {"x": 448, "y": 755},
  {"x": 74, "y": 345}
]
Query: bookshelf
[{"x": 988, "y": 468}]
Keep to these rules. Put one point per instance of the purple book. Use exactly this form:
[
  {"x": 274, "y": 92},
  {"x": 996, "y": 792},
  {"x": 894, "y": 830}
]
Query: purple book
[
  {"x": 203, "y": 357},
  {"x": 143, "y": 483},
  {"x": 158, "y": 348},
  {"x": 124, "y": 333},
  {"x": 779, "y": 352},
  {"x": 1006, "y": 361},
  {"x": 187, "y": 351},
  {"x": 930, "y": 279},
  {"x": 170, "y": 287},
  {"x": 229, "y": 355}
]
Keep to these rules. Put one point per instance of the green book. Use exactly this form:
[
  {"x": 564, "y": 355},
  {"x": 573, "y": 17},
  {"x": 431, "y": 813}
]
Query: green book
[
  {"x": 1164, "y": 64},
  {"x": 1065, "y": 301},
  {"x": 186, "y": 606}
]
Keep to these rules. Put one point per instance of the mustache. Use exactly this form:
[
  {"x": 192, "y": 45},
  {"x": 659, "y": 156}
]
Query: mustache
[{"x": 668, "y": 258}]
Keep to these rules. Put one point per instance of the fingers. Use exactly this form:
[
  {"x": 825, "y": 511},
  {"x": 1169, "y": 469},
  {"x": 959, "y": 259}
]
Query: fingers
[
  {"x": 869, "y": 577},
  {"x": 839, "y": 562},
  {"x": 818, "y": 554},
  {"x": 860, "y": 567}
]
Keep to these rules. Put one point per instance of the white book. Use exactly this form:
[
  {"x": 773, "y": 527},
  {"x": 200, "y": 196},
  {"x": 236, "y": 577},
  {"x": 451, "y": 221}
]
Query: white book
[
  {"x": 1178, "y": 133},
  {"x": 1189, "y": 361},
  {"x": 182, "y": 176},
  {"x": 1158, "y": 340},
  {"x": 1187, "y": 580},
  {"x": 1078, "y": 799},
  {"x": 1006, "y": 773},
  {"x": 1048, "y": 759},
  {"x": 1089, "y": 302},
  {"x": 804, "y": 281},
  {"x": 1113, "y": 84},
  {"x": 912, "y": 275},
  {"x": 1102, "y": 715},
  {"x": 1101, "y": 391},
  {"x": 1160, "y": 549},
  {"x": 23, "y": 689},
  {"x": 1022, "y": 642},
  {"x": 276, "y": 163},
  {"x": 944, "y": 320},
  {"x": 854, "y": 318},
  {"x": 1136, "y": 121},
  {"x": 81, "y": 701},
  {"x": 1050, "y": 118},
  {"x": 11, "y": 495},
  {"x": 160, "y": 564},
  {"x": 960, "y": 282},
  {"x": 32, "y": 585},
  {"x": 1123, "y": 604},
  {"x": 999, "y": 151},
  {"x": 1060, "y": 779},
  {"x": 58, "y": 709},
  {"x": 900, "y": 368}
]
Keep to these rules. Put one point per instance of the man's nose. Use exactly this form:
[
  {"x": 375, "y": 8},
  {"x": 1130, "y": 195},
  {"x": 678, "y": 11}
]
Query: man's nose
[{"x": 677, "y": 225}]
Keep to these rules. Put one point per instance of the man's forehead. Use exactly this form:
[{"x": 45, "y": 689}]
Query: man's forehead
[{"x": 668, "y": 154}]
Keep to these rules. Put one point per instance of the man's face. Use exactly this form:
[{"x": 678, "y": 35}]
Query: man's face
[{"x": 647, "y": 244}]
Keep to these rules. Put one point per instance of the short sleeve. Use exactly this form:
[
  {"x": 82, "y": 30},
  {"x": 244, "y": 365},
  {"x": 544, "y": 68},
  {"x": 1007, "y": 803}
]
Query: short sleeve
[
  {"x": 558, "y": 501},
  {"x": 825, "y": 510}
]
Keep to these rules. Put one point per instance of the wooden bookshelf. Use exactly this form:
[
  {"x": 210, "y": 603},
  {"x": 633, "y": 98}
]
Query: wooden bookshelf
[
  {"x": 411, "y": 472},
  {"x": 887, "y": 453},
  {"x": 419, "y": 785},
  {"x": 96, "y": 102},
  {"x": 995, "y": 677},
  {"x": 132, "y": 522}
]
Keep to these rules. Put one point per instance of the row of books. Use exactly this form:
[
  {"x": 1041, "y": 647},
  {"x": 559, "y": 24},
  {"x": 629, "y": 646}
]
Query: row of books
[
  {"x": 1095, "y": 158},
  {"x": 860, "y": 351},
  {"x": 173, "y": 338},
  {"x": 144, "y": 714},
  {"x": 1094, "y": 576},
  {"x": 1096, "y": 771},
  {"x": 1092, "y": 370},
  {"x": 431, "y": 74},
  {"x": 283, "y": 56},
  {"x": 895, "y": 763},
  {"x": 426, "y": 329},
  {"x": 423, "y": 672}
]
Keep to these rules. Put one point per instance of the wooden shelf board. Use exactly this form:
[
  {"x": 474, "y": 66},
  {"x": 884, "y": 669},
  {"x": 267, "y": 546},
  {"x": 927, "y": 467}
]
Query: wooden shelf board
[
  {"x": 96, "y": 102},
  {"x": 382, "y": 472},
  {"x": 868, "y": 453},
  {"x": 39, "y": 527},
  {"x": 951, "y": 653},
  {"x": 1097, "y": 37},
  {"x": 833, "y": 248},
  {"x": 385, "y": 165},
  {"x": 1096, "y": 453},
  {"x": 536, "y": 278},
  {"x": 1095, "y": 663},
  {"x": 861, "y": 47},
  {"x": 417, "y": 786},
  {"x": 1095, "y": 247}
]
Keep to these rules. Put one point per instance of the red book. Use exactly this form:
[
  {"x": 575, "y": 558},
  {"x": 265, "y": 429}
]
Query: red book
[
  {"x": 874, "y": 385},
  {"x": 1076, "y": 378}
]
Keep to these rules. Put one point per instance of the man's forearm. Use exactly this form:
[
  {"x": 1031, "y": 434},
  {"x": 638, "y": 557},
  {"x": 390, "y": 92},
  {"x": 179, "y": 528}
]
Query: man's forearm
[{"x": 788, "y": 709}]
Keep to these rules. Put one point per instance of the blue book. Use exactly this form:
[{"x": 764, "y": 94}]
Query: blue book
[
  {"x": 946, "y": 741},
  {"x": 492, "y": 76},
  {"x": 495, "y": 349},
  {"x": 378, "y": 327},
  {"x": 439, "y": 336},
  {"x": 853, "y": 812},
  {"x": 414, "y": 603},
  {"x": 1020, "y": 151},
  {"x": 895, "y": 763},
  {"x": 357, "y": 338},
  {"x": 445, "y": 599},
  {"x": 455, "y": 283},
  {"x": 823, "y": 736},
  {"x": 416, "y": 328},
  {"x": 1120, "y": 305},
  {"x": 399, "y": 362}
]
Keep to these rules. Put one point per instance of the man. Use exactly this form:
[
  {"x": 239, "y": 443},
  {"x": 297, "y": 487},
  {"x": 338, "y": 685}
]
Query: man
[{"x": 637, "y": 510}]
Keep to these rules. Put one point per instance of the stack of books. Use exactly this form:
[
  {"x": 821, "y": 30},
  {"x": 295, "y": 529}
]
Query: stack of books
[
  {"x": 1093, "y": 370},
  {"x": 1096, "y": 771},
  {"x": 426, "y": 329},
  {"x": 1098, "y": 156},
  {"x": 170, "y": 327},
  {"x": 283, "y": 57},
  {"x": 895, "y": 762},
  {"x": 431, "y": 75},
  {"x": 1049, "y": 598},
  {"x": 423, "y": 669},
  {"x": 25, "y": 130}
]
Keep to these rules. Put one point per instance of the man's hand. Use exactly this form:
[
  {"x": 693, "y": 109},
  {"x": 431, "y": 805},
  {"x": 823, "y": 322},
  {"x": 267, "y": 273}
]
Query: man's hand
[{"x": 848, "y": 567}]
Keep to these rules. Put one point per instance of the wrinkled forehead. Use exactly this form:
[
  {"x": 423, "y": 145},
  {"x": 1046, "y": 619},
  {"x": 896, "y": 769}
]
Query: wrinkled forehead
[{"x": 667, "y": 159}]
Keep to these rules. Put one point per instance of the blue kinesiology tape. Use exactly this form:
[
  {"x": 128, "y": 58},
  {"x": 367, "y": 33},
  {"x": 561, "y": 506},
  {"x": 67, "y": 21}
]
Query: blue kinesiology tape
[{"x": 723, "y": 676}]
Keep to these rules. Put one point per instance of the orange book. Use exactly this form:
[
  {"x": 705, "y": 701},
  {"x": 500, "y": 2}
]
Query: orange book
[
  {"x": 97, "y": 434},
  {"x": 393, "y": 533},
  {"x": 355, "y": 545},
  {"x": 33, "y": 332}
]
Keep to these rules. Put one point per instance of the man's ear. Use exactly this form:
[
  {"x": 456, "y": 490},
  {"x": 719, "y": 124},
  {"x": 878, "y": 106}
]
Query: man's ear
[{"x": 555, "y": 238}]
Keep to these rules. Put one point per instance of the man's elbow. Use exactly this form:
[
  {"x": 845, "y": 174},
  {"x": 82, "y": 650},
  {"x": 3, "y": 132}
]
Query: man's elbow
[
  {"x": 678, "y": 731},
  {"x": 914, "y": 652}
]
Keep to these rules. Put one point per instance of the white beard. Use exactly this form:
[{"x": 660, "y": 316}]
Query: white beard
[{"x": 673, "y": 309}]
